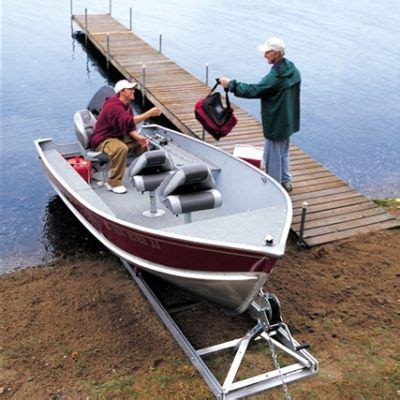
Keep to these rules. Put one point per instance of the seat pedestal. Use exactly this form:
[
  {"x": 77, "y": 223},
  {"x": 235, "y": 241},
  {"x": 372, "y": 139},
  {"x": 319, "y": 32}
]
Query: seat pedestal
[{"x": 153, "y": 212}]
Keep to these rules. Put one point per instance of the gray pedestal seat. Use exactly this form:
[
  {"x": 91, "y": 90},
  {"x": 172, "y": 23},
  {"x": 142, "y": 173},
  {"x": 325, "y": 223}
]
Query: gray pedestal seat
[
  {"x": 84, "y": 124},
  {"x": 147, "y": 172},
  {"x": 190, "y": 188}
]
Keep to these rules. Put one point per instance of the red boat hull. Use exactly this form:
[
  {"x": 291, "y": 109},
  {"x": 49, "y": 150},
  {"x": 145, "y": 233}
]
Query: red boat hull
[{"x": 165, "y": 250}]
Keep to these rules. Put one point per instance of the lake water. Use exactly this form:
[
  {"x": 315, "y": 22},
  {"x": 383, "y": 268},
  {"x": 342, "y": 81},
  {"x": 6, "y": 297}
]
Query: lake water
[{"x": 348, "y": 54}]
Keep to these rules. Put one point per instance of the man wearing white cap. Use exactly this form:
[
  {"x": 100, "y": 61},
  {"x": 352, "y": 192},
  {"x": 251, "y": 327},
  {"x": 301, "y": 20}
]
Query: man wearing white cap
[
  {"x": 279, "y": 92},
  {"x": 115, "y": 132}
]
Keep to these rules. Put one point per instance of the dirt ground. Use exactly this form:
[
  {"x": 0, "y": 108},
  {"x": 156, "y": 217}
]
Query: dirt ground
[{"x": 79, "y": 328}]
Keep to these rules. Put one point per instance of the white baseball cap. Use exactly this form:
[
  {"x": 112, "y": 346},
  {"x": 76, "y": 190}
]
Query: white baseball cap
[
  {"x": 273, "y": 43},
  {"x": 123, "y": 84}
]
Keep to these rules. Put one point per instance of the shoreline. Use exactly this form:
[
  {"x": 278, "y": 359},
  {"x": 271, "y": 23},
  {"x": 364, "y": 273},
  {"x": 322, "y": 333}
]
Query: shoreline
[{"x": 390, "y": 204}]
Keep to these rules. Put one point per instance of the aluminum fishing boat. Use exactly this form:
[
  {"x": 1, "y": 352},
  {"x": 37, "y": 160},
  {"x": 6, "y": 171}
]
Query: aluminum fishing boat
[{"x": 193, "y": 215}]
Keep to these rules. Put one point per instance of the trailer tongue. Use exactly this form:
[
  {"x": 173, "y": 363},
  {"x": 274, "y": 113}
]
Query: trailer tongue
[{"x": 269, "y": 330}]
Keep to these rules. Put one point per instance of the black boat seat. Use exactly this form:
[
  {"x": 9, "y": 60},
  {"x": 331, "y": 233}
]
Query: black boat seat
[
  {"x": 147, "y": 172},
  {"x": 190, "y": 188},
  {"x": 84, "y": 124}
]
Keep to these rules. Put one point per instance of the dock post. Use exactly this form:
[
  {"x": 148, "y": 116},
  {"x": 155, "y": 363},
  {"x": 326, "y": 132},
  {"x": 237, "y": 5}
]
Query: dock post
[
  {"x": 143, "y": 84},
  {"x": 108, "y": 51},
  {"x": 160, "y": 44},
  {"x": 130, "y": 18},
  {"x": 203, "y": 132},
  {"x": 72, "y": 13},
  {"x": 110, "y": 5},
  {"x": 300, "y": 241},
  {"x": 86, "y": 34}
]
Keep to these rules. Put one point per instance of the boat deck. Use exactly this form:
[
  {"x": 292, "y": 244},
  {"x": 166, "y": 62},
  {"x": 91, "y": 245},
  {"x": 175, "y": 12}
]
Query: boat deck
[
  {"x": 335, "y": 210},
  {"x": 255, "y": 219},
  {"x": 207, "y": 224}
]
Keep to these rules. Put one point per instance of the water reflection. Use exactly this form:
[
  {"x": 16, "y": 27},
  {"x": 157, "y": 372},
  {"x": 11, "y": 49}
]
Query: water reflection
[
  {"x": 63, "y": 235},
  {"x": 73, "y": 45},
  {"x": 93, "y": 59},
  {"x": 88, "y": 67}
]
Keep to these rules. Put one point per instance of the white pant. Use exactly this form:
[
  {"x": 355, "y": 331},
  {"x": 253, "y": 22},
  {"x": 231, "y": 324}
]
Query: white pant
[{"x": 276, "y": 159}]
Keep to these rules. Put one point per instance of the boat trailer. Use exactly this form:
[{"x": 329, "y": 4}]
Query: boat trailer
[{"x": 269, "y": 329}]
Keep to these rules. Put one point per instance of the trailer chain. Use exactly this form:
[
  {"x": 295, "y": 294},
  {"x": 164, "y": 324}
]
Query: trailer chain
[
  {"x": 278, "y": 367},
  {"x": 267, "y": 309}
]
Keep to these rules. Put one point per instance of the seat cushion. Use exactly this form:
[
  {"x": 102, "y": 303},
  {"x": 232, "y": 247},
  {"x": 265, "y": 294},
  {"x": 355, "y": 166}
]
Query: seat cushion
[
  {"x": 144, "y": 183},
  {"x": 188, "y": 179},
  {"x": 185, "y": 203},
  {"x": 151, "y": 162}
]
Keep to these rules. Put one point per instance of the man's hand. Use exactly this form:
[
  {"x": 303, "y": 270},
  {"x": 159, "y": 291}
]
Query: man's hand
[
  {"x": 154, "y": 112},
  {"x": 142, "y": 140},
  {"x": 224, "y": 82}
]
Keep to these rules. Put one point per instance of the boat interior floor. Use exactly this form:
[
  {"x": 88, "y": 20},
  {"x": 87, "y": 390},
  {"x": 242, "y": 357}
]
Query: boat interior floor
[
  {"x": 237, "y": 221},
  {"x": 217, "y": 224}
]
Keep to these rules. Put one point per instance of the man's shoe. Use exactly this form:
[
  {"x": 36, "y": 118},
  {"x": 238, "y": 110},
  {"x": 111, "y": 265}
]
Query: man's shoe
[
  {"x": 287, "y": 186},
  {"x": 116, "y": 189}
]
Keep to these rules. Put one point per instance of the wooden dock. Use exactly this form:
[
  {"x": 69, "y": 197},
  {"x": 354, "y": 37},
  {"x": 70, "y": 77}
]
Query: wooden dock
[{"x": 335, "y": 210}]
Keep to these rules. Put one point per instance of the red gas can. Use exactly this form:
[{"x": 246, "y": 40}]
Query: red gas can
[{"x": 82, "y": 167}]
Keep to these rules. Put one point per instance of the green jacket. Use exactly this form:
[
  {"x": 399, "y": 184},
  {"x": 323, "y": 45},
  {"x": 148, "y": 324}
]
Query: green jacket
[{"x": 279, "y": 92}]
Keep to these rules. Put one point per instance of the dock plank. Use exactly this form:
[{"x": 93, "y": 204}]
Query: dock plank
[
  {"x": 352, "y": 195},
  {"x": 323, "y": 239},
  {"x": 333, "y": 205},
  {"x": 343, "y": 226},
  {"x": 325, "y": 214},
  {"x": 360, "y": 215}
]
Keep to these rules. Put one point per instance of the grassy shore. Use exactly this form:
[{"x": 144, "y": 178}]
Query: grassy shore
[{"x": 80, "y": 329}]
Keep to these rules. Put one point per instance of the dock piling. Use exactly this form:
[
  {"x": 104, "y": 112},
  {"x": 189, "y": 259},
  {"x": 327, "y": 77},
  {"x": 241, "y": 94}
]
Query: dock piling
[
  {"x": 160, "y": 44},
  {"x": 203, "y": 132},
  {"x": 130, "y": 19},
  {"x": 304, "y": 206},
  {"x": 108, "y": 51},
  {"x": 72, "y": 13},
  {"x": 86, "y": 28},
  {"x": 143, "y": 84},
  {"x": 110, "y": 6}
]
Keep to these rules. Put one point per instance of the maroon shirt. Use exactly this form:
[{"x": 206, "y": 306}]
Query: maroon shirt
[{"x": 115, "y": 121}]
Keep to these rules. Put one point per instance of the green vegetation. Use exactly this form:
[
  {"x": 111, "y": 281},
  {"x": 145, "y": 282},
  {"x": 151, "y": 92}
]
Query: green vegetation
[
  {"x": 120, "y": 387},
  {"x": 388, "y": 202}
]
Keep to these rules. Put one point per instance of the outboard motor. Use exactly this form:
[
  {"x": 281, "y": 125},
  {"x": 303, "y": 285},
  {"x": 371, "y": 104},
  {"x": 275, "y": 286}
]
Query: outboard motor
[{"x": 98, "y": 99}]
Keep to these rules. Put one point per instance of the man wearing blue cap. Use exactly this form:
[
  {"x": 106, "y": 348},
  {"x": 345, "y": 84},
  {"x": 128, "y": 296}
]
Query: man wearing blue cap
[{"x": 279, "y": 92}]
